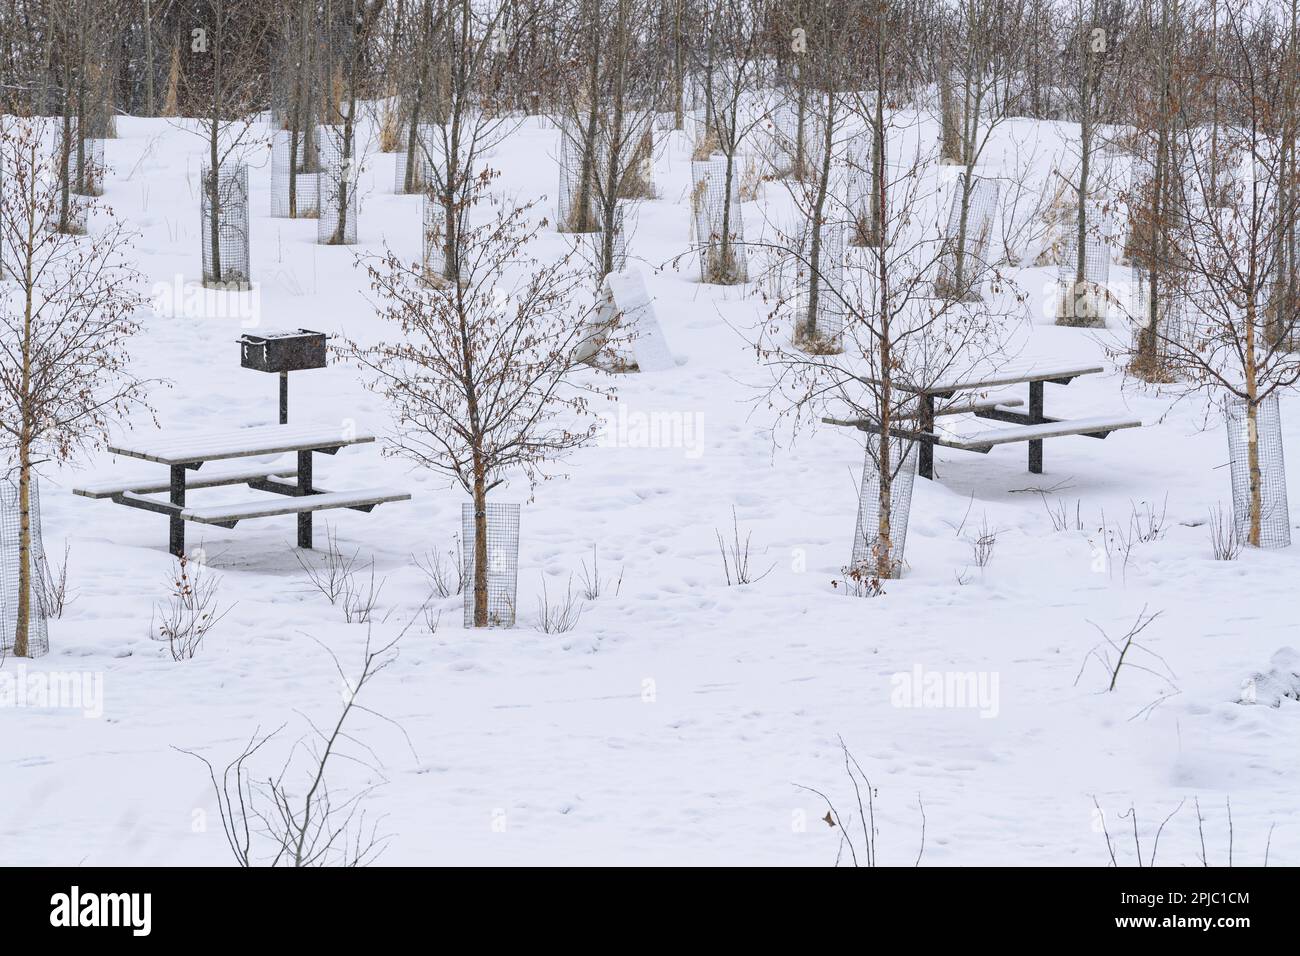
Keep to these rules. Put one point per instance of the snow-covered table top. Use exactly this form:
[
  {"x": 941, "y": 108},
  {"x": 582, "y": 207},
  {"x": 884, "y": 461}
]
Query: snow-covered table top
[
  {"x": 1010, "y": 374},
  {"x": 192, "y": 447}
]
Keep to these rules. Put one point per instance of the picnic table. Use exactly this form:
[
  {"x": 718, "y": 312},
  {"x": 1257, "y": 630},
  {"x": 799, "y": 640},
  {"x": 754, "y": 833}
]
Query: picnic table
[
  {"x": 296, "y": 493},
  {"x": 1032, "y": 426}
]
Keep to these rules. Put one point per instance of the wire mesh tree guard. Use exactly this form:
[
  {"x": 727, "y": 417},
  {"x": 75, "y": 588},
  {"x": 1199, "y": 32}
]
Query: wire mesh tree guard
[
  {"x": 872, "y": 556},
  {"x": 596, "y": 243},
  {"x": 336, "y": 223},
  {"x": 413, "y": 171},
  {"x": 1269, "y": 465},
  {"x": 718, "y": 225},
  {"x": 85, "y": 159},
  {"x": 434, "y": 218},
  {"x": 782, "y": 130},
  {"x": 1160, "y": 335},
  {"x": 38, "y": 640},
  {"x": 952, "y": 107},
  {"x": 576, "y": 202},
  {"x": 1084, "y": 303},
  {"x": 223, "y": 220},
  {"x": 860, "y": 191},
  {"x": 965, "y": 258},
  {"x": 285, "y": 80},
  {"x": 819, "y": 321},
  {"x": 98, "y": 115},
  {"x": 294, "y": 185},
  {"x": 795, "y": 136},
  {"x": 296, "y": 102},
  {"x": 703, "y": 139},
  {"x": 1284, "y": 289},
  {"x": 502, "y": 562},
  {"x": 639, "y": 179}
]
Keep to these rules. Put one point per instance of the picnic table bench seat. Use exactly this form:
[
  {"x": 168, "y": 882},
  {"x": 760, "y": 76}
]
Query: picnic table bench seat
[
  {"x": 110, "y": 487},
  {"x": 230, "y": 514},
  {"x": 1098, "y": 427}
]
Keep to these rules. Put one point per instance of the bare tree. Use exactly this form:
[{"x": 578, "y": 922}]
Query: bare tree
[
  {"x": 349, "y": 26},
  {"x": 469, "y": 123},
  {"x": 826, "y": 73},
  {"x": 987, "y": 58},
  {"x": 614, "y": 83},
  {"x": 75, "y": 35},
  {"x": 1152, "y": 203},
  {"x": 899, "y": 335},
  {"x": 1236, "y": 196},
  {"x": 731, "y": 62},
  {"x": 480, "y": 380},
  {"x": 64, "y": 368},
  {"x": 297, "y": 98},
  {"x": 1093, "y": 51},
  {"x": 1284, "y": 299},
  {"x": 229, "y": 84}
]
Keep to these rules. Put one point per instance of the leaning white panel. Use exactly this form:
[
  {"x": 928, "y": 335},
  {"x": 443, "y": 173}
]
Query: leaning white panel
[{"x": 626, "y": 304}]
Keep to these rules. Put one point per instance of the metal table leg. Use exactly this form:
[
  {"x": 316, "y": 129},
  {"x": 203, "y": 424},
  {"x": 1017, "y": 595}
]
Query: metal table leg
[
  {"x": 304, "y": 488},
  {"x": 1036, "y": 417},
  {"x": 176, "y": 537},
  {"x": 926, "y": 464}
]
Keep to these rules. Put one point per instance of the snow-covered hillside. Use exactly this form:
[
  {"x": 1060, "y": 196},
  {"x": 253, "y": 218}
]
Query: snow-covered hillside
[{"x": 680, "y": 720}]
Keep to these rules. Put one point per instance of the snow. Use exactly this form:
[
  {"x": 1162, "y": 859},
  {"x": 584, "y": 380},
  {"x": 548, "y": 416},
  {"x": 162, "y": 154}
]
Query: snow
[
  {"x": 195, "y": 446},
  {"x": 1078, "y": 426},
  {"x": 678, "y": 720}
]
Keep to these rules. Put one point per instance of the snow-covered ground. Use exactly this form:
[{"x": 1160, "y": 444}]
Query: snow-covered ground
[{"x": 677, "y": 722}]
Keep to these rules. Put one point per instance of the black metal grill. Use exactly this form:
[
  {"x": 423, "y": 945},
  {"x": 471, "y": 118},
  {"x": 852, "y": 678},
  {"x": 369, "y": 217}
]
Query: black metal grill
[
  {"x": 282, "y": 353},
  {"x": 287, "y": 351}
]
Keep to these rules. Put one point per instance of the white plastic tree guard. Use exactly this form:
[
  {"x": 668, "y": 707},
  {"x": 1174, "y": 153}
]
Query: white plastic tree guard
[{"x": 626, "y": 305}]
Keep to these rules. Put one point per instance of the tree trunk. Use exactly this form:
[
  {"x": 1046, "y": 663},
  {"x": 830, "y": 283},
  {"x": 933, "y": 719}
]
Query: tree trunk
[
  {"x": 580, "y": 219},
  {"x": 1252, "y": 429},
  {"x": 345, "y": 163},
  {"x": 65, "y": 159},
  {"x": 148, "y": 59},
  {"x": 679, "y": 72},
  {"x": 480, "y": 548},
  {"x": 950, "y": 145},
  {"x": 884, "y": 398},
  {"x": 800, "y": 133},
  {"x": 213, "y": 187},
  {"x": 726, "y": 273},
  {"x": 810, "y": 330},
  {"x": 21, "y": 635},
  {"x": 21, "y": 632},
  {"x": 872, "y": 236},
  {"x": 214, "y": 156}
]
